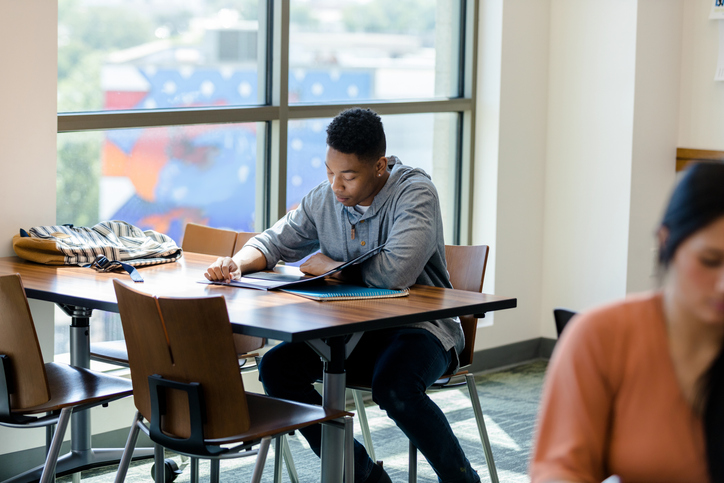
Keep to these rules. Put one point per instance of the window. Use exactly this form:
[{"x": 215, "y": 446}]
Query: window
[
  {"x": 372, "y": 50},
  {"x": 159, "y": 177},
  {"x": 214, "y": 111}
]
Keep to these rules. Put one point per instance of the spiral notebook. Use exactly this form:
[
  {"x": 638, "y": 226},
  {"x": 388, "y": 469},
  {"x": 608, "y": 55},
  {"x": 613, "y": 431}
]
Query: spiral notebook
[{"x": 324, "y": 293}]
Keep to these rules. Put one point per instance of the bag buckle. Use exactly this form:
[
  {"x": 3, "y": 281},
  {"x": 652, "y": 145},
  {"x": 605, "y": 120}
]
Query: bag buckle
[{"x": 103, "y": 264}]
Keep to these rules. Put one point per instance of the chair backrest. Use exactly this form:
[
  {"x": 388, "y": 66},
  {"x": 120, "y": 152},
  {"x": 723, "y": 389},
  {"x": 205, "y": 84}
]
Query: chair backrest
[
  {"x": 186, "y": 340},
  {"x": 211, "y": 241},
  {"x": 222, "y": 243},
  {"x": 245, "y": 343},
  {"x": 466, "y": 267},
  {"x": 241, "y": 238},
  {"x": 19, "y": 341},
  {"x": 562, "y": 316}
]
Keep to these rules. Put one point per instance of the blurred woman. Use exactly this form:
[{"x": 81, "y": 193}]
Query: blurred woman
[{"x": 636, "y": 388}]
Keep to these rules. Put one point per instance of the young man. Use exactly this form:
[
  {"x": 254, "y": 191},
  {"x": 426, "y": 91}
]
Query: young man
[{"x": 369, "y": 199}]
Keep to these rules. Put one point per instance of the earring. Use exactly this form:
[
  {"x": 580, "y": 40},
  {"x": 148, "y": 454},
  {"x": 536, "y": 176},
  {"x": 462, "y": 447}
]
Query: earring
[{"x": 379, "y": 174}]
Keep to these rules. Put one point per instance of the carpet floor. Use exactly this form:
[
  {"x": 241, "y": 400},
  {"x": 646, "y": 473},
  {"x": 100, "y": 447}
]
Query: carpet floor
[{"x": 509, "y": 399}]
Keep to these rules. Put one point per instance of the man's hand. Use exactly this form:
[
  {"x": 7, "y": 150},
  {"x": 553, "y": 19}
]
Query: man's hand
[
  {"x": 223, "y": 269},
  {"x": 318, "y": 264}
]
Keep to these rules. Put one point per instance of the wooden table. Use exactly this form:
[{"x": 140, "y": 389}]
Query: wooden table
[{"x": 331, "y": 328}]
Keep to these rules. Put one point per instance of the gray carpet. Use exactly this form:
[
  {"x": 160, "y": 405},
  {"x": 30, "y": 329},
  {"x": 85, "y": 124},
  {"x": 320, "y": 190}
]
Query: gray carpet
[{"x": 509, "y": 399}]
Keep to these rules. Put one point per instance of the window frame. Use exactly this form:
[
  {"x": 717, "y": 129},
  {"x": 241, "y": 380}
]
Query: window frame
[{"x": 275, "y": 112}]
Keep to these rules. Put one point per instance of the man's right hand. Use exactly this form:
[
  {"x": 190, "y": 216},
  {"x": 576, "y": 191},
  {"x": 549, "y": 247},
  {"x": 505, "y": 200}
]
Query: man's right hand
[{"x": 223, "y": 269}]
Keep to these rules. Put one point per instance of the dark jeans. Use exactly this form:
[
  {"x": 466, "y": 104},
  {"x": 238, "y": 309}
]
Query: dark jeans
[{"x": 401, "y": 364}]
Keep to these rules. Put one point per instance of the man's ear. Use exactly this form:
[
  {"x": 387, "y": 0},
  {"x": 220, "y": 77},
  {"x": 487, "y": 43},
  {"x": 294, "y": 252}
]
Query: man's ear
[{"x": 381, "y": 166}]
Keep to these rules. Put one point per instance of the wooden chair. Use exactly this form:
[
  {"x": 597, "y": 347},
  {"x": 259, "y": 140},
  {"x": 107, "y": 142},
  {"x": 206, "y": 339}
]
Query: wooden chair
[
  {"x": 241, "y": 238},
  {"x": 466, "y": 266},
  {"x": 197, "y": 239},
  {"x": 186, "y": 383},
  {"x": 36, "y": 394},
  {"x": 562, "y": 316},
  {"x": 208, "y": 240}
]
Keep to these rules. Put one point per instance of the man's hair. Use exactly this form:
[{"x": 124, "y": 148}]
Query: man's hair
[{"x": 357, "y": 131}]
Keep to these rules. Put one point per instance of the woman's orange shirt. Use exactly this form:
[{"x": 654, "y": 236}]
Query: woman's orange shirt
[{"x": 611, "y": 403}]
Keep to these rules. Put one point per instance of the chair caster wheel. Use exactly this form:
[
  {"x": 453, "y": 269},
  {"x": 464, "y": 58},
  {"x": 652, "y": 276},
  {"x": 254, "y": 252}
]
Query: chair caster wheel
[{"x": 171, "y": 470}]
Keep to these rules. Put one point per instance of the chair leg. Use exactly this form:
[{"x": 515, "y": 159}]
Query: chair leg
[
  {"x": 287, "y": 453},
  {"x": 363, "y": 423},
  {"x": 412, "y": 462},
  {"x": 215, "y": 473},
  {"x": 159, "y": 462},
  {"x": 478, "y": 411},
  {"x": 128, "y": 450},
  {"x": 348, "y": 448},
  {"x": 260, "y": 460},
  {"x": 278, "y": 459},
  {"x": 49, "y": 431},
  {"x": 194, "y": 470},
  {"x": 51, "y": 459}
]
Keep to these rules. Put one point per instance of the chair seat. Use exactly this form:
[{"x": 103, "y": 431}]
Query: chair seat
[
  {"x": 271, "y": 416},
  {"x": 73, "y": 386},
  {"x": 114, "y": 351},
  {"x": 444, "y": 381}
]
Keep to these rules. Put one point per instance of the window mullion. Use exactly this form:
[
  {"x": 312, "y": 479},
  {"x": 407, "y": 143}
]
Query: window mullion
[
  {"x": 280, "y": 98},
  {"x": 263, "y": 139},
  {"x": 465, "y": 166}
]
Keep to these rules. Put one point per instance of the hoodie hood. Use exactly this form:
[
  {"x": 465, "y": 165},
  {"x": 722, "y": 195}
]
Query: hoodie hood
[{"x": 399, "y": 173}]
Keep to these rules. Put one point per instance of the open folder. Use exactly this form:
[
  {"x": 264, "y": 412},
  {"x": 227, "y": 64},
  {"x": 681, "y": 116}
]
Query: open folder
[{"x": 276, "y": 280}]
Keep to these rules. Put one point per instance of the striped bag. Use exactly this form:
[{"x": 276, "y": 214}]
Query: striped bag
[{"x": 116, "y": 240}]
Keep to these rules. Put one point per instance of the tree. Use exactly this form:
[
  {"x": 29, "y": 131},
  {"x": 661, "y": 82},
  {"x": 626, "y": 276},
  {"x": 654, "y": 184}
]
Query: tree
[
  {"x": 83, "y": 46},
  {"x": 86, "y": 35},
  {"x": 77, "y": 178}
]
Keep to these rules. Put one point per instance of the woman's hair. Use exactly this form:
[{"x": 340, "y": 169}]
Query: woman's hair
[{"x": 697, "y": 201}]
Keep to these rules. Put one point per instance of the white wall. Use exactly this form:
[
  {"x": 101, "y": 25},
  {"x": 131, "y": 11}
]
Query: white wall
[
  {"x": 655, "y": 132},
  {"x": 701, "y": 119},
  {"x": 487, "y": 131},
  {"x": 588, "y": 170},
  {"x": 510, "y": 160},
  {"x": 577, "y": 120},
  {"x": 28, "y": 43},
  {"x": 28, "y": 49}
]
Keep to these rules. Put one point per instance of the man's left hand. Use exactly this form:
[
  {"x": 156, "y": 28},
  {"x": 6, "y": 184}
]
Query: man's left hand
[{"x": 318, "y": 264}]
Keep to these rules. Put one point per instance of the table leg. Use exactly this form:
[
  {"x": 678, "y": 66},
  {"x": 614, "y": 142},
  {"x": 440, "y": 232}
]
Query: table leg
[
  {"x": 333, "y": 354},
  {"x": 82, "y": 454},
  {"x": 334, "y": 351},
  {"x": 333, "y": 435},
  {"x": 80, "y": 430}
]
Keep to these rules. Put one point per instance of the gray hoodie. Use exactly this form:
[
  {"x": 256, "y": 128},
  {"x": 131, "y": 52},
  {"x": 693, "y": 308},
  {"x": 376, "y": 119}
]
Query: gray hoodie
[{"x": 405, "y": 214}]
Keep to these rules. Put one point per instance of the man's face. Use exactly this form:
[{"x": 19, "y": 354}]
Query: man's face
[{"x": 355, "y": 182}]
